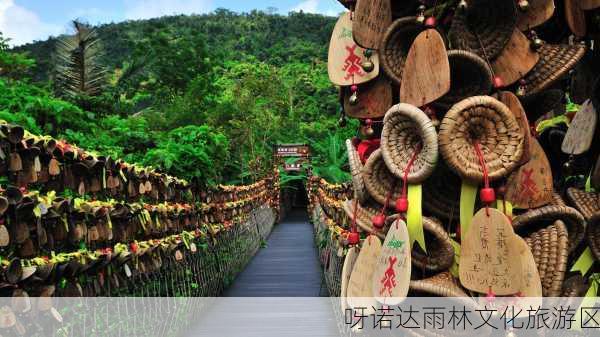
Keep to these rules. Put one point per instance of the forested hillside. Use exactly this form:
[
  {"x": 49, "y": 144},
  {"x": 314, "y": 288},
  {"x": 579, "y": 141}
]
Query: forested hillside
[{"x": 202, "y": 96}]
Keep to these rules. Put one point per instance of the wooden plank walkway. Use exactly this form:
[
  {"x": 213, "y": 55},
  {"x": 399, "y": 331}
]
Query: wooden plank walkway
[
  {"x": 287, "y": 267},
  {"x": 277, "y": 294}
]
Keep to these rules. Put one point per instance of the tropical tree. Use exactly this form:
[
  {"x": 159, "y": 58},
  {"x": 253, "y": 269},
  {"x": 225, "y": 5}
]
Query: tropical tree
[{"x": 79, "y": 72}]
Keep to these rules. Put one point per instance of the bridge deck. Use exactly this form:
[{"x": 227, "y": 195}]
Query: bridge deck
[{"x": 287, "y": 267}]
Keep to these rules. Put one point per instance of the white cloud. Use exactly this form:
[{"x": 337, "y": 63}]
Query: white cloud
[
  {"x": 146, "y": 9},
  {"x": 316, "y": 6},
  {"x": 308, "y": 6},
  {"x": 22, "y": 25}
]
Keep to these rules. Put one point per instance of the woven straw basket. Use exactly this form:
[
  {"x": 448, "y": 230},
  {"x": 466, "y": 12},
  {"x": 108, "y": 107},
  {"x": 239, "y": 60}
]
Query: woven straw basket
[
  {"x": 593, "y": 234},
  {"x": 470, "y": 76},
  {"x": 484, "y": 28},
  {"x": 541, "y": 217},
  {"x": 356, "y": 169},
  {"x": 442, "y": 285},
  {"x": 555, "y": 62},
  {"x": 405, "y": 129},
  {"x": 486, "y": 120},
  {"x": 441, "y": 193},
  {"x": 588, "y": 203},
  {"x": 379, "y": 181},
  {"x": 395, "y": 45}
]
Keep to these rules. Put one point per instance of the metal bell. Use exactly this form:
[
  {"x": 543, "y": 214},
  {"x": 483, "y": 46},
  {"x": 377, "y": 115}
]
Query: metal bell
[
  {"x": 368, "y": 66},
  {"x": 523, "y": 5},
  {"x": 462, "y": 5},
  {"x": 368, "y": 131},
  {"x": 353, "y": 100},
  {"x": 342, "y": 121},
  {"x": 537, "y": 43}
]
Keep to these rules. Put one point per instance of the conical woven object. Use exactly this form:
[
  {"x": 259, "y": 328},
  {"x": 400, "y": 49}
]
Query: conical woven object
[
  {"x": 395, "y": 45},
  {"x": 538, "y": 104},
  {"x": 441, "y": 193},
  {"x": 379, "y": 181},
  {"x": 549, "y": 247},
  {"x": 407, "y": 131},
  {"x": 356, "y": 169},
  {"x": 588, "y": 203},
  {"x": 440, "y": 253},
  {"x": 488, "y": 122},
  {"x": 574, "y": 286},
  {"x": 555, "y": 62},
  {"x": 364, "y": 215},
  {"x": 593, "y": 234},
  {"x": 470, "y": 76},
  {"x": 543, "y": 216},
  {"x": 484, "y": 27},
  {"x": 442, "y": 284}
]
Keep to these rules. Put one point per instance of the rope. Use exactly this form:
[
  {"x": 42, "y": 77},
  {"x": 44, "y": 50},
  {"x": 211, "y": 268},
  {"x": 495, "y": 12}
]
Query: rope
[{"x": 486, "y": 178}]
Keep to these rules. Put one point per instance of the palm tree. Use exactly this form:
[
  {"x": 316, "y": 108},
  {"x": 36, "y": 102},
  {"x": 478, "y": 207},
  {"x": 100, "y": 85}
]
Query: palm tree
[{"x": 79, "y": 71}]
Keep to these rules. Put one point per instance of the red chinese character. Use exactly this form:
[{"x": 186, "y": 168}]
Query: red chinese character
[
  {"x": 389, "y": 278},
  {"x": 352, "y": 64},
  {"x": 528, "y": 186}
]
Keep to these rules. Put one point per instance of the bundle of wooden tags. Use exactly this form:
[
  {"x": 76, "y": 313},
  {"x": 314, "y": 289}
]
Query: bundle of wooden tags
[{"x": 478, "y": 154}]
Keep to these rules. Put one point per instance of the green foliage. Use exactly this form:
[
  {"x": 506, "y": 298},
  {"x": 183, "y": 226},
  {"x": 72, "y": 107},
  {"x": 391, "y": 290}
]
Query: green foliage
[
  {"x": 13, "y": 65},
  {"x": 191, "y": 152},
  {"x": 204, "y": 96}
]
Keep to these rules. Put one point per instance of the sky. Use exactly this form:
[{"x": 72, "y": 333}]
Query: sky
[{"x": 24, "y": 21}]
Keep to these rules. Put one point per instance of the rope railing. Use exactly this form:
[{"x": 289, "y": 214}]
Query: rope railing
[{"x": 75, "y": 223}]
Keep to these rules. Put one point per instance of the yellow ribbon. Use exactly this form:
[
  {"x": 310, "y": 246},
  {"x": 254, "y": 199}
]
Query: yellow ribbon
[
  {"x": 584, "y": 262},
  {"x": 414, "y": 216},
  {"x": 468, "y": 194}
]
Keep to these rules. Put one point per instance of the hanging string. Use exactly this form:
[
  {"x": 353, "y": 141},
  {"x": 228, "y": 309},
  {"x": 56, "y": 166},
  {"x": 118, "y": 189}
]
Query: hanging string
[
  {"x": 402, "y": 203},
  {"x": 486, "y": 179},
  {"x": 354, "y": 213}
]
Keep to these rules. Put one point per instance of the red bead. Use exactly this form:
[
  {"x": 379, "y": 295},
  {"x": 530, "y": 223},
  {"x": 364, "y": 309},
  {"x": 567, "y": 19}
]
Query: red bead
[
  {"x": 401, "y": 205},
  {"x": 498, "y": 82},
  {"x": 355, "y": 141},
  {"x": 354, "y": 88},
  {"x": 430, "y": 22},
  {"x": 379, "y": 221},
  {"x": 368, "y": 121},
  {"x": 353, "y": 238},
  {"x": 487, "y": 195}
]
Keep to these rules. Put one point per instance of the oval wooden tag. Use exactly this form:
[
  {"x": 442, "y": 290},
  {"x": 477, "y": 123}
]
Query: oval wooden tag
[
  {"x": 4, "y": 236},
  {"x": 531, "y": 185},
  {"x": 392, "y": 273},
  {"x": 360, "y": 286},
  {"x": 512, "y": 102},
  {"x": 539, "y": 11},
  {"x": 345, "y": 59},
  {"x": 349, "y": 261},
  {"x": 487, "y": 259},
  {"x": 53, "y": 167},
  {"x": 581, "y": 131},
  {"x": 516, "y": 60},
  {"x": 426, "y": 75},
  {"x": 370, "y": 21},
  {"x": 575, "y": 17},
  {"x": 374, "y": 99},
  {"x": 531, "y": 284},
  {"x": 589, "y": 4}
]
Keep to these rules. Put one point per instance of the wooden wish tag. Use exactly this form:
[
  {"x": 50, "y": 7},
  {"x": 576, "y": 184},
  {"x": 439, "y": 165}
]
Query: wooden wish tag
[
  {"x": 581, "y": 131},
  {"x": 531, "y": 185},
  {"x": 426, "y": 75},
  {"x": 15, "y": 163},
  {"x": 373, "y": 99},
  {"x": 512, "y": 102},
  {"x": 516, "y": 59},
  {"x": 370, "y": 21},
  {"x": 4, "y": 236},
  {"x": 589, "y": 4},
  {"x": 537, "y": 12},
  {"x": 348, "y": 63},
  {"x": 531, "y": 285},
  {"x": 347, "y": 267},
  {"x": 360, "y": 286},
  {"x": 392, "y": 273},
  {"x": 575, "y": 17},
  {"x": 487, "y": 256}
]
